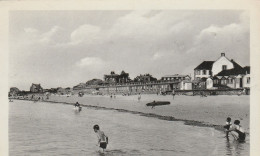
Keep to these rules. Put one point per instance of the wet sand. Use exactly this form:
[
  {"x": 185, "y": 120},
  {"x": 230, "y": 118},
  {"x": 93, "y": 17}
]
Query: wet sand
[{"x": 210, "y": 111}]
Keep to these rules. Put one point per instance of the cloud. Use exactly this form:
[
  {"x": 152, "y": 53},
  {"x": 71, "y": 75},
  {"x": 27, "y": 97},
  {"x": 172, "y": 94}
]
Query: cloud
[
  {"x": 157, "y": 56},
  {"x": 136, "y": 41},
  {"x": 232, "y": 38},
  {"x": 91, "y": 63},
  {"x": 85, "y": 33}
]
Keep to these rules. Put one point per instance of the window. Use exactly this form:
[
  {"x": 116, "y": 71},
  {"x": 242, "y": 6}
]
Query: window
[
  {"x": 248, "y": 80},
  {"x": 224, "y": 67},
  {"x": 204, "y": 72},
  {"x": 210, "y": 72}
]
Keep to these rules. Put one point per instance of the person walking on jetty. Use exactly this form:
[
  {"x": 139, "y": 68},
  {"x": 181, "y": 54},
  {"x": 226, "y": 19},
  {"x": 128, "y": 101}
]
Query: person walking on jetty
[
  {"x": 240, "y": 134},
  {"x": 228, "y": 125},
  {"x": 102, "y": 138},
  {"x": 173, "y": 94}
]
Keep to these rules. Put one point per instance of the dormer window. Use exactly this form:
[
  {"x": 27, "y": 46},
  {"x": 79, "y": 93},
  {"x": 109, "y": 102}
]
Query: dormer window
[{"x": 224, "y": 67}]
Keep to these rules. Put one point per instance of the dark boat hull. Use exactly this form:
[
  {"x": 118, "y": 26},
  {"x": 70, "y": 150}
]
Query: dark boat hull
[{"x": 158, "y": 103}]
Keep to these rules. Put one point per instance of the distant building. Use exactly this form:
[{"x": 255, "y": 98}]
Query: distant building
[
  {"x": 114, "y": 78},
  {"x": 186, "y": 85},
  {"x": 211, "y": 68},
  {"x": 237, "y": 77},
  {"x": 36, "y": 88},
  {"x": 175, "y": 77},
  {"x": 222, "y": 73},
  {"x": 204, "y": 70},
  {"x": 144, "y": 78},
  {"x": 111, "y": 78}
]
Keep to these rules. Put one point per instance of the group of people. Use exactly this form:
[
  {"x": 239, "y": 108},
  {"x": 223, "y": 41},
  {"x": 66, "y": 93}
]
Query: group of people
[{"x": 239, "y": 133}]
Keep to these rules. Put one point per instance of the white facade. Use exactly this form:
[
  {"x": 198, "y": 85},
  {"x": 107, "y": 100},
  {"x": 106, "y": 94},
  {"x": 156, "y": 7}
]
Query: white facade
[
  {"x": 238, "y": 83},
  {"x": 246, "y": 80},
  {"x": 209, "y": 83},
  {"x": 220, "y": 63},
  {"x": 185, "y": 85}
]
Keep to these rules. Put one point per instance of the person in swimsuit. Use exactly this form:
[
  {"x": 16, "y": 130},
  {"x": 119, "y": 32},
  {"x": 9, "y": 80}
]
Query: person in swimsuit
[
  {"x": 241, "y": 135},
  {"x": 228, "y": 124},
  {"x": 102, "y": 138}
]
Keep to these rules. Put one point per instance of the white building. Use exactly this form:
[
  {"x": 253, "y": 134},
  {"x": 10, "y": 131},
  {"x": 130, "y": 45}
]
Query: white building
[
  {"x": 175, "y": 77},
  {"x": 223, "y": 73},
  {"x": 186, "y": 85},
  {"x": 222, "y": 63}
]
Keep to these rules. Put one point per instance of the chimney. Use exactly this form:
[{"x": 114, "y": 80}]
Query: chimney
[{"x": 222, "y": 54}]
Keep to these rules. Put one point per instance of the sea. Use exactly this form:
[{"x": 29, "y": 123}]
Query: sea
[{"x": 48, "y": 129}]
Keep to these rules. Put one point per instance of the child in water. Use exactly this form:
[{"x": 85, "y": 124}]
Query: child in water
[
  {"x": 102, "y": 138},
  {"x": 240, "y": 133},
  {"x": 228, "y": 124}
]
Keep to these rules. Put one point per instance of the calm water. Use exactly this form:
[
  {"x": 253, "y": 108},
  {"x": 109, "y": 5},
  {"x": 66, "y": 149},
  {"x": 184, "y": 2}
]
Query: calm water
[{"x": 55, "y": 129}]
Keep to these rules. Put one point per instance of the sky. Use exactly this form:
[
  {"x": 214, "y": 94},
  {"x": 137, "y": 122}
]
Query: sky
[{"x": 65, "y": 48}]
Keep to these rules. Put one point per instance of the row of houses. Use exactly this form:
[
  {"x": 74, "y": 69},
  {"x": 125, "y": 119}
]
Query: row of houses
[{"x": 220, "y": 74}]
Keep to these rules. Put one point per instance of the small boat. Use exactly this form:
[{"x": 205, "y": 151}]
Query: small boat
[
  {"x": 78, "y": 108},
  {"x": 158, "y": 103}
]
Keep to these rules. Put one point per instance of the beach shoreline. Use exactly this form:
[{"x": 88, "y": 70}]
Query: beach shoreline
[{"x": 189, "y": 114}]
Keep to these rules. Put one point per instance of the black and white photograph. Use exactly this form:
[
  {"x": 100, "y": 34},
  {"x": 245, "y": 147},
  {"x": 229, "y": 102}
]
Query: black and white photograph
[{"x": 123, "y": 82}]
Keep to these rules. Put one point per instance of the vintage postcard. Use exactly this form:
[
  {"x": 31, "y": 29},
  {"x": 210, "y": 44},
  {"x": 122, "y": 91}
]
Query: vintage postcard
[{"x": 129, "y": 78}]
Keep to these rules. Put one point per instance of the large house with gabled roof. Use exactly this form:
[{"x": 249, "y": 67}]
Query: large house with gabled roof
[{"x": 222, "y": 73}]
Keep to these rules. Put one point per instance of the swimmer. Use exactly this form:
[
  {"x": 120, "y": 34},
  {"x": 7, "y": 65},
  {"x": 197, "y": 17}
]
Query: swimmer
[{"x": 102, "y": 138}]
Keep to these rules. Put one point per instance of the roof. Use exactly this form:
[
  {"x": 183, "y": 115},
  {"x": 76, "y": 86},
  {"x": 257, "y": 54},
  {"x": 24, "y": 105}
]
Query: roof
[
  {"x": 234, "y": 71},
  {"x": 247, "y": 69},
  {"x": 176, "y": 75},
  {"x": 205, "y": 65},
  {"x": 236, "y": 65},
  {"x": 36, "y": 85},
  {"x": 186, "y": 81}
]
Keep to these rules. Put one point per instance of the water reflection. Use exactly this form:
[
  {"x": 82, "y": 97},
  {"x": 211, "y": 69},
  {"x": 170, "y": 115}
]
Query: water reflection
[{"x": 234, "y": 147}]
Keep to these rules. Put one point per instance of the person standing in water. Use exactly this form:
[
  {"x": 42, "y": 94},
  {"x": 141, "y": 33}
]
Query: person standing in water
[
  {"x": 102, "y": 138},
  {"x": 228, "y": 124},
  {"x": 241, "y": 135},
  {"x": 77, "y": 104}
]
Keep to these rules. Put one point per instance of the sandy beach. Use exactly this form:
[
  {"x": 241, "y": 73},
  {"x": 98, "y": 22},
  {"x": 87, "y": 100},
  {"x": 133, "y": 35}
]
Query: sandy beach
[{"x": 210, "y": 111}]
